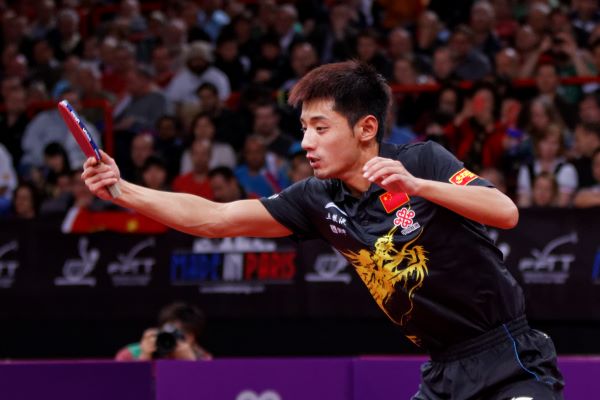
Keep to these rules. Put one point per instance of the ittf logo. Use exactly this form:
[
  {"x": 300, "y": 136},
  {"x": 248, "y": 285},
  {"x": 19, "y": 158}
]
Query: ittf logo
[{"x": 463, "y": 177}]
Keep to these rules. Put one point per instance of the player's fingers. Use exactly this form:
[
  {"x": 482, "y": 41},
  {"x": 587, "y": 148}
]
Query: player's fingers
[
  {"x": 371, "y": 162},
  {"x": 384, "y": 163},
  {"x": 100, "y": 186},
  {"x": 100, "y": 178},
  {"x": 90, "y": 162},
  {"x": 383, "y": 172},
  {"x": 388, "y": 180},
  {"x": 95, "y": 170},
  {"x": 106, "y": 158}
]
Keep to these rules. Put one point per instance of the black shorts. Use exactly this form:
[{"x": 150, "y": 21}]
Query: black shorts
[{"x": 510, "y": 362}]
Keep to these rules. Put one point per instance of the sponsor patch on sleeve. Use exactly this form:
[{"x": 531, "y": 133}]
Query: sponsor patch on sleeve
[{"x": 463, "y": 177}]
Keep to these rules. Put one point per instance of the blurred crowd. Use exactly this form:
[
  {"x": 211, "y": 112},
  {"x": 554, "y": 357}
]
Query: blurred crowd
[{"x": 195, "y": 91}]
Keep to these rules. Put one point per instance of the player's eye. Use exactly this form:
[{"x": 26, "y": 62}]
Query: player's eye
[{"x": 321, "y": 129}]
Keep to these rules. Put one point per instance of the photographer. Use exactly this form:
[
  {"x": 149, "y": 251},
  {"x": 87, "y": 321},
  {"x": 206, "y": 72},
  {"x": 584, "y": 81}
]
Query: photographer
[{"x": 180, "y": 326}]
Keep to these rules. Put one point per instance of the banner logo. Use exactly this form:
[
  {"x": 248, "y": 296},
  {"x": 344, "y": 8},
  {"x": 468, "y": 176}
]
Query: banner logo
[
  {"x": 76, "y": 270},
  {"x": 233, "y": 265},
  {"x": 328, "y": 268},
  {"x": 547, "y": 268},
  {"x": 8, "y": 268},
  {"x": 131, "y": 270}
]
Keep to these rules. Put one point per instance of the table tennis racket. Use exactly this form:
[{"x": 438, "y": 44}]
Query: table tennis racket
[{"x": 83, "y": 138}]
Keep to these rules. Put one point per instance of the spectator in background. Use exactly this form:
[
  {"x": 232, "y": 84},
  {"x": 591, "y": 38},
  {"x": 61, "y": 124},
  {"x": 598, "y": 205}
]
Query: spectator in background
[
  {"x": 547, "y": 83},
  {"x": 545, "y": 191},
  {"x": 429, "y": 34},
  {"x": 154, "y": 173},
  {"x": 538, "y": 17},
  {"x": 506, "y": 23},
  {"x": 590, "y": 196},
  {"x": 130, "y": 16},
  {"x": 261, "y": 174},
  {"x": 68, "y": 78},
  {"x": 14, "y": 32},
  {"x": 444, "y": 66},
  {"x": 45, "y": 19},
  {"x": 13, "y": 122},
  {"x": 482, "y": 22},
  {"x": 585, "y": 16},
  {"x": 225, "y": 186},
  {"x": 47, "y": 127},
  {"x": 229, "y": 61},
  {"x": 174, "y": 38},
  {"x": 61, "y": 198},
  {"x": 8, "y": 180},
  {"x": 400, "y": 45},
  {"x": 142, "y": 105},
  {"x": 119, "y": 61},
  {"x": 335, "y": 39},
  {"x": 45, "y": 67},
  {"x": 303, "y": 58},
  {"x": 410, "y": 106},
  {"x": 268, "y": 65},
  {"x": 228, "y": 128},
  {"x": 163, "y": 66},
  {"x": 549, "y": 158},
  {"x": 56, "y": 164},
  {"x": 266, "y": 125},
  {"x": 368, "y": 51},
  {"x": 478, "y": 140},
  {"x": 212, "y": 18},
  {"x": 186, "y": 322},
  {"x": 286, "y": 27},
  {"x": 142, "y": 147},
  {"x": 65, "y": 38},
  {"x": 471, "y": 64},
  {"x": 589, "y": 108},
  {"x": 507, "y": 64},
  {"x": 88, "y": 82},
  {"x": 198, "y": 69},
  {"x": 25, "y": 201},
  {"x": 169, "y": 143},
  {"x": 587, "y": 141},
  {"x": 196, "y": 181},
  {"x": 222, "y": 154}
]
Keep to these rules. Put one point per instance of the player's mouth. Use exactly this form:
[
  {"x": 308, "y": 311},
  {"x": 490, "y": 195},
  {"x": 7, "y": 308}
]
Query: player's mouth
[{"x": 313, "y": 161}]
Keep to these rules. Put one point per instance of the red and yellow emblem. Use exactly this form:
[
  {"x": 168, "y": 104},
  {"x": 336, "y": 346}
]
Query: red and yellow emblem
[
  {"x": 391, "y": 201},
  {"x": 463, "y": 177}
]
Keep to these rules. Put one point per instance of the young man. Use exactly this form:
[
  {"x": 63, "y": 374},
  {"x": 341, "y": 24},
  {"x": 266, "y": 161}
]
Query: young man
[{"x": 408, "y": 218}]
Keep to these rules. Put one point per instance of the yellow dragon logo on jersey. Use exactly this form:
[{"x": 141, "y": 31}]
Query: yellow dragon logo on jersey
[{"x": 385, "y": 267}]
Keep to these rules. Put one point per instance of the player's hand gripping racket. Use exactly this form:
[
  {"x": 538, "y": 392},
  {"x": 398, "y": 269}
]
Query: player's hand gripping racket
[{"x": 83, "y": 137}]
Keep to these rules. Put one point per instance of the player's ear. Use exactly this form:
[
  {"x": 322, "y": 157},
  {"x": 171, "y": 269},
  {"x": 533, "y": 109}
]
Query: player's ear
[{"x": 367, "y": 128}]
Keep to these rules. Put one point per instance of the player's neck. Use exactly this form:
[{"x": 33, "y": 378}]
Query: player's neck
[{"x": 354, "y": 179}]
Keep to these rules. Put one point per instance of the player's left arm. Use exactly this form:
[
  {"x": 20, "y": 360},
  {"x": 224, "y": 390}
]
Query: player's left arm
[{"x": 483, "y": 204}]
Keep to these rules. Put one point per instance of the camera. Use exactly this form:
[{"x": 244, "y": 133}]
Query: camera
[{"x": 166, "y": 341}]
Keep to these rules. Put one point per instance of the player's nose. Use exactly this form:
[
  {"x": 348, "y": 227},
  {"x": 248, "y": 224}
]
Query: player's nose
[{"x": 308, "y": 140}]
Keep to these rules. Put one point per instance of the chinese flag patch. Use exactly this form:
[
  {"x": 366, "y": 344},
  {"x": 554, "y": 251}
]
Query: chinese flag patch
[
  {"x": 463, "y": 177},
  {"x": 391, "y": 201}
]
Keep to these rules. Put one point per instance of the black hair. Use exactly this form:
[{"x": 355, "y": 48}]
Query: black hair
[{"x": 356, "y": 89}]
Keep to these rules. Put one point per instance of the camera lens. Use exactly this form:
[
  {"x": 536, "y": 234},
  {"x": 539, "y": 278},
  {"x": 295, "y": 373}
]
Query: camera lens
[{"x": 165, "y": 343}]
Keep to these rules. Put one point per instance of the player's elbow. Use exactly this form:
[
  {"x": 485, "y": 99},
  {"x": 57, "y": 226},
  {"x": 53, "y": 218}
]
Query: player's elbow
[{"x": 509, "y": 217}]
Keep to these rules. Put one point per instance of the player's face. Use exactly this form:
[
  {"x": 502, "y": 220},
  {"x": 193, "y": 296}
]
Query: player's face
[{"x": 332, "y": 148}]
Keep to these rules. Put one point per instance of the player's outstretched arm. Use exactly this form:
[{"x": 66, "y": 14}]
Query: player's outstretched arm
[
  {"x": 182, "y": 211},
  {"x": 486, "y": 205}
]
